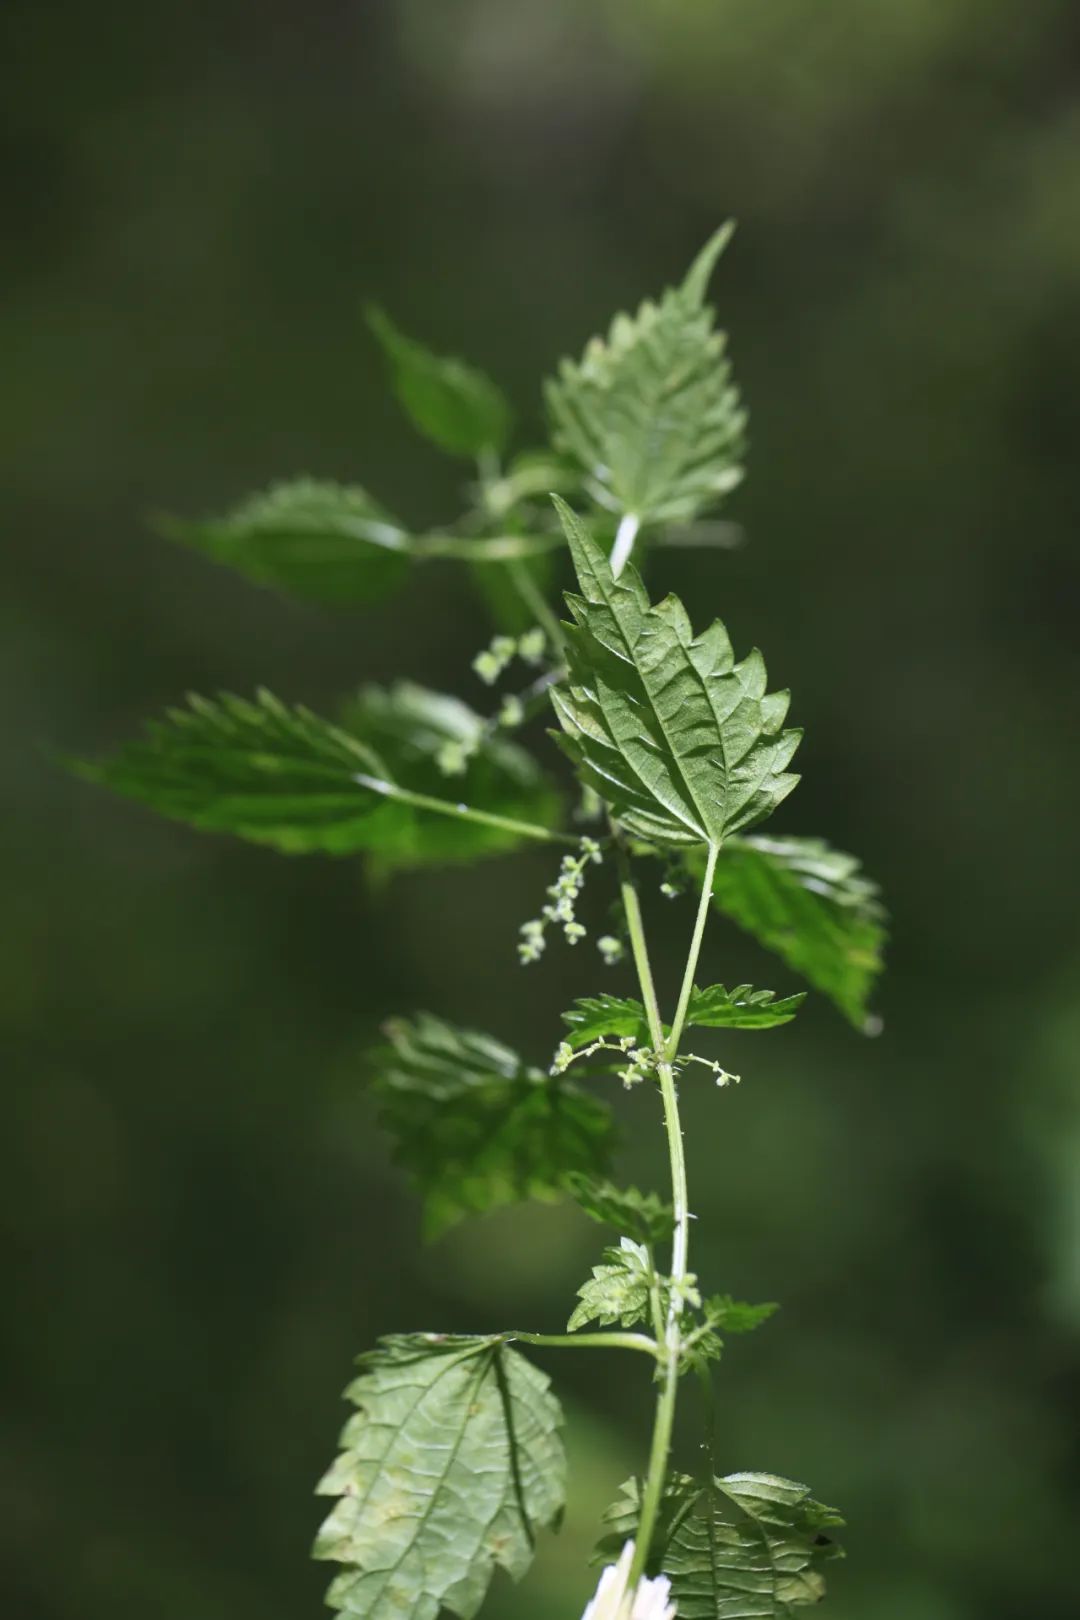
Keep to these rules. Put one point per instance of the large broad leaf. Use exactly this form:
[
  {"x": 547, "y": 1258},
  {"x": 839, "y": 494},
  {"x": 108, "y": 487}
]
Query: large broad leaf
[
  {"x": 450, "y": 1466},
  {"x": 417, "y": 735},
  {"x": 283, "y": 776},
  {"x": 453, "y": 404},
  {"x": 814, "y": 907},
  {"x": 683, "y": 743},
  {"x": 475, "y": 1127},
  {"x": 327, "y": 542},
  {"x": 746, "y": 1547},
  {"x": 650, "y": 412}
]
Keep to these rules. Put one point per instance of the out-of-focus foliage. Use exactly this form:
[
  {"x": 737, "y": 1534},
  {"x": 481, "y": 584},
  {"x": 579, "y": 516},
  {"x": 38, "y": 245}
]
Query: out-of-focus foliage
[
  {"x": 329, "y": 542},
  {"x": 194, "y": 1196},
  {"x": 813, "y": 906},
  {"x": 282, "y": 776},
  {"x": 475, "y": 1127},
  {"x": 451, "y": 403}
]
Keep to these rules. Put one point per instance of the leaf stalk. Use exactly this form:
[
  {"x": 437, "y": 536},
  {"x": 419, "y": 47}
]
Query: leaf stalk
[
  {"x": 592, "y": 1341},
  {"x": 625, "y": 535},
  {"x": 463, "y": 812}
]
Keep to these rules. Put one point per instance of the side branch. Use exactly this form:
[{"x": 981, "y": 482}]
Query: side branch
[{"x": 463, "y": 812}]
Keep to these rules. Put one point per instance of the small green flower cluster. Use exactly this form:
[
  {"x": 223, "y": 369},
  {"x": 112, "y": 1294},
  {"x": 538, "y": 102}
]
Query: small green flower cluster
[
  {"x": 562, "y": 896},
  {"x": 501, "y": 651}
]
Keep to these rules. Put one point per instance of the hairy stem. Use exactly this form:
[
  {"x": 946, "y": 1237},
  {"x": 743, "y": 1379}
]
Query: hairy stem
[
  {"x": 592, "y": 1341},
  {"x": 536, "y": 603},
  {"x": 695, "y": 951},
  {"x": 664, "y": 1420},
  {"x": 625, "y": 535}
]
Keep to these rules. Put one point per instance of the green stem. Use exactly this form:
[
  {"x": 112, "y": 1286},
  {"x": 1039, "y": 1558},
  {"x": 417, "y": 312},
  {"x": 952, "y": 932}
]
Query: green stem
[
  {"x": 591, "y": 1341},
  {"x": 463, "y": 812},
  {"x": 664, "y": 1420},
  {"x": 534, "y": 600},
  {"x": 695, "y": 951},
  {"x": 483, "y": 547}
]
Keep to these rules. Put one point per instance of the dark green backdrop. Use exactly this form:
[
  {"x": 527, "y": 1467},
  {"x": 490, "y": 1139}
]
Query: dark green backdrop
[{"x": 201, "y": 1221}]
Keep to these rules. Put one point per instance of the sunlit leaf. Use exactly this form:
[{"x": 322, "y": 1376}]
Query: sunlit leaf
[
  {"x": 684, "y": 744},
  {"x": 592, "y": 1017},
  {"x": 449, "y": 1467},
  {"x": 740, "y": 1008},
  {"x": 650, "y": 412},
  {"x": 475, "y": 1127},
  {"x": 618, "y": 1290}
]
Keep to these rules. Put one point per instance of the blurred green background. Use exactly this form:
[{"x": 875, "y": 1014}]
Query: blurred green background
[{"x": 200, "y": 1217}]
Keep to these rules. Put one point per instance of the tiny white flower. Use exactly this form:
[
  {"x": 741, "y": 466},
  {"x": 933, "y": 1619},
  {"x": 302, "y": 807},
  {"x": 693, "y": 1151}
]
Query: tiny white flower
[{"x": 613, "y": 1602}]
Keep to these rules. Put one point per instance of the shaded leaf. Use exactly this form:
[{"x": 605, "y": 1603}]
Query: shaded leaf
[
  {"x": 455, "y": 405},
  {"x": 650, "y": 412},
  {"x": 729, "y": 1315},
  {"x": 505, "y": 601},
  {"x": 682, "y": 742},
  {"x": 266, "y": 772},
  {"x": 327, "y": 542},
  {"x": 617, "y": 1291},
  {"x": 811, "y": 905},
  {"x": 450, "y": 1465},
  {"x": 475, "y": 1127},
  {"x": 745, "y": 1547},
  {"x": 416, "y": 733},
  {"x": 643, "y": 1216},
  {"x": 740, "y": 1008},
  {"x": 282, "y": 776}
]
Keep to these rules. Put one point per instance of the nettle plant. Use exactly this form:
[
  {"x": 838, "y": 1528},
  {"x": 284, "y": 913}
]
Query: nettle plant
[{"x": 452, "y": 1460}]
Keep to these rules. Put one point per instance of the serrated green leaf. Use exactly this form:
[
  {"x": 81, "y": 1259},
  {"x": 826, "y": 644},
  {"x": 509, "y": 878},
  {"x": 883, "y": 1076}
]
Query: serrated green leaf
[
  {"x": 412, "y": 730},
  {"x": 455, "y": 405},
  {"x": 592, "y": 1017},
  {"x": 650, "y": 412},
  {"x": 745, "y": 1547},
  {"x": 683, "y": 743},
  {"x": 643, "y": 1216},
  {"x": 729, "y": 1315},
  {"x": 282, "y": 776},
  {"x": 450, "y": 1465},
  {"x": 331, "y": 543},
  {"x": 811, "y": 905},
  {"x": 475, "y": 1127},
  {"x": 740, "y": 1008},
  {"x": 266, "y": 772},
  {"x": 617, "y": 1291}
]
